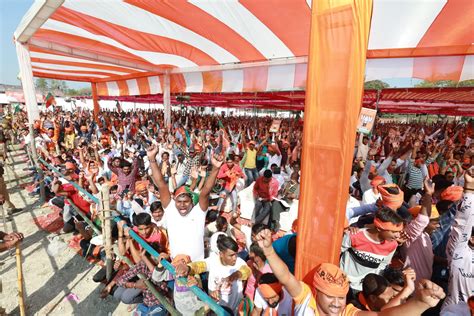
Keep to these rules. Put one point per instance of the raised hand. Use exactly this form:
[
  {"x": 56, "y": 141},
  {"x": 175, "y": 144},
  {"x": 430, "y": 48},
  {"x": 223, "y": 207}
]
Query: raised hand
[
  {"x": 152, "y": 151},
  {"x": 410, "y": 276},
  {"x": 264, "y": 239},
  {"x": 429, "y": 186},
  {"x": 429, "y": 293},
  {"x": 217, "y": 161}
]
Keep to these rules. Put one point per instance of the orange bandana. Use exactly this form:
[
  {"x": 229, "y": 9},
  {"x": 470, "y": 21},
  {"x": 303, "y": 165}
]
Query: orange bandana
[
  {"x": 270, "y": 290},
  {"x": 330, "y": 280},
  {"x": 388, "y": 225},
  {"x": 392, "y": 201},
  {"x": 452, "y": 193}
]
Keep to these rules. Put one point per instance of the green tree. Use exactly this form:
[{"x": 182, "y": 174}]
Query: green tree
[
  {"x": 466, "y": 83},
  {"x": 376, "y": 85},
  {"x": 42, "y": 85},
  {"x": 436, "y": 84},
  {"x": 58, "y": 86}
]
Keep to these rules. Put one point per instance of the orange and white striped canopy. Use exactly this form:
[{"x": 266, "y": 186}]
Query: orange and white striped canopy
[{"x": 234, "y": 46}]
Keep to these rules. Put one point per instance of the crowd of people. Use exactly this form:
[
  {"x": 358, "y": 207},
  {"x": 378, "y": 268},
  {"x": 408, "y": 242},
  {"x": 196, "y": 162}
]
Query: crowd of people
[{"x": 408, "y": 245}]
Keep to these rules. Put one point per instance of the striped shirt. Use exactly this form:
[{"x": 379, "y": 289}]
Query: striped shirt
[
  {"x": 415, "y": 175},
  {"x": 361, "y": 255}
]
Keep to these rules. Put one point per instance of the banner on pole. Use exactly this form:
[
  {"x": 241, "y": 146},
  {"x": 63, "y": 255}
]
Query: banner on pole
[
  {"x": 366, "y": 120},
  {"x": 275, "y": 126}
]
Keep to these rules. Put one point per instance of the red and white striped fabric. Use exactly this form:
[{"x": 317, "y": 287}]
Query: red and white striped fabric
[{"x": 141, "y": 39}]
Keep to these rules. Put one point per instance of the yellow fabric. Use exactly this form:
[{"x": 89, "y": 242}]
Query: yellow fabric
[
  {"x": 197, "y": 267},
  {"x": 336, "y": 68},
  {"x": 246, "y": 272},
  {"x": 251, "y": 159}
]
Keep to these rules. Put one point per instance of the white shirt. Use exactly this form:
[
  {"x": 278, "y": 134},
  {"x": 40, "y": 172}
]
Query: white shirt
[
  {"x": 370, "y": 197},
  {"x": 284, "y": 307},
  {"x": 460, "y": 255},
  {"x": 185, "y": 233},
  {"x": 229, "y": 294},
  {"x": 275, "y": 159}
]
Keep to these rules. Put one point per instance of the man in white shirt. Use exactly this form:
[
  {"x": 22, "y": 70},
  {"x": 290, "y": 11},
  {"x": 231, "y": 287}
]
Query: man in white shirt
[
  {"x": 183, "y": 220},
  {"x": 372, "y": 195},
  {"x": 226, "y": 273},
  {"x": 274, "y": 155}
]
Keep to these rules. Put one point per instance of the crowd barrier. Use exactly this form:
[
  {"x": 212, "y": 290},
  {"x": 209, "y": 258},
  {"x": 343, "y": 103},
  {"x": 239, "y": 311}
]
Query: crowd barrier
[{"x": 218, "y": 310}]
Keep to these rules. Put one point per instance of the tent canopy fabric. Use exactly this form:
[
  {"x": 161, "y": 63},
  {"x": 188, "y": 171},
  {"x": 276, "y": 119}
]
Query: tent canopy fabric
[
  {"x": 234, "y": 46},
  {"x": 448, "y": 101}
]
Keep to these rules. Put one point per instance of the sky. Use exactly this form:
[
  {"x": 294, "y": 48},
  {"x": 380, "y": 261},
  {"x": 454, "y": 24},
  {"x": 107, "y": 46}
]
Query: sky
[{"x": 11, "y": 13}]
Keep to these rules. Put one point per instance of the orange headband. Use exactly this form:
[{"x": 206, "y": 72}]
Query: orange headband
[
  {"x": 331, "y": 280},
  {"x": 270, "y": 290},
  {"x": 392, "y": 201},
  {"x": 388, "y": 225}
]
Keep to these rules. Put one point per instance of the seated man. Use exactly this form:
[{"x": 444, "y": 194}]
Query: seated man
[
  {"x": 226, "y": 273},
  {"x": 265, "y": 191},
  {"x": 289, "y": 192}
]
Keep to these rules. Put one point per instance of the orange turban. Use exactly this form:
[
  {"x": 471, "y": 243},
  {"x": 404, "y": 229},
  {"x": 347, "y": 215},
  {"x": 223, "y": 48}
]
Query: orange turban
[
  {"x": 392, "y": 201},
  {"x": 388, "y": 225},
  {"x": 181, "y": 259},
  {"x": 415, "y": 210},
  {"x": 270, "y": 290},
  {"x": 330, "y": 280},
  {"x": 70, "y": 165},
  {"x": 378, "y": 180},
  {"x": 141, "y": 186},
  {"x": 452, "y": 193}
]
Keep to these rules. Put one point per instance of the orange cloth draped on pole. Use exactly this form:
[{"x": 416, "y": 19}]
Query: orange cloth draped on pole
[
  {"x": 337, "y": 54},
  {"x": 96, "y": 101}
]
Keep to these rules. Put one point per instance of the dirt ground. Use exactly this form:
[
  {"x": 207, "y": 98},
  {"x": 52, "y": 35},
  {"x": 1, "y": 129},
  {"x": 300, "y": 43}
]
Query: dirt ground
[{"x": 54, "y": 285}]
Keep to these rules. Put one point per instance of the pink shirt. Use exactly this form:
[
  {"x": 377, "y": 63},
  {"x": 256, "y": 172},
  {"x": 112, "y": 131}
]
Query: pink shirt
[
  {"x": 418, "y": 250},
  {"x": 252, "y": 280}
]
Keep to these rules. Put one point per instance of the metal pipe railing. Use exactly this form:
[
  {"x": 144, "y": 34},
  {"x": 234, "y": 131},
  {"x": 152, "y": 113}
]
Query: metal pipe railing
[{"x": 168, "y": 266}]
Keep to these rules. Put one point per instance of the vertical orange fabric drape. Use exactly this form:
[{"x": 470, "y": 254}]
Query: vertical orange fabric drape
[
  {"x": 95, "y": 100},
  {"x": 337, "y": 54}
]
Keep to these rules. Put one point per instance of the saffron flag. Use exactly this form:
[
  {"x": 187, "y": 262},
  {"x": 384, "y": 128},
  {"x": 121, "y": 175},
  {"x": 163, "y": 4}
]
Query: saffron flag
[{"x": 49, "y": 99}]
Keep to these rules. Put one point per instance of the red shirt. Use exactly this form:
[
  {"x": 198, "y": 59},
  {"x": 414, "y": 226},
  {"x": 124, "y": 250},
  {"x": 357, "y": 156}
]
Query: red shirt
[
  {"x": 158, "y": 236},
  {"x": 76, "y": 198},
  {"x": 266, "y": 191}
]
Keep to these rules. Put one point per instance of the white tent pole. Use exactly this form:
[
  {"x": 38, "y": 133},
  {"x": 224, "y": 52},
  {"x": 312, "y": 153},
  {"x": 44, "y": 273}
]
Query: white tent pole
[
  {"x": 167, "y": 100},
  {"x": 29, "y": 93},
  {"x": 26, "y": 75}
]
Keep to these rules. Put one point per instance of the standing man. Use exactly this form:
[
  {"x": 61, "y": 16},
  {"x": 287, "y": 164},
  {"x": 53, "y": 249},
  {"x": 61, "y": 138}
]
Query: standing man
[
  {"x": 250, "y": 164},
  {"x": 184, "y": 221}
]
